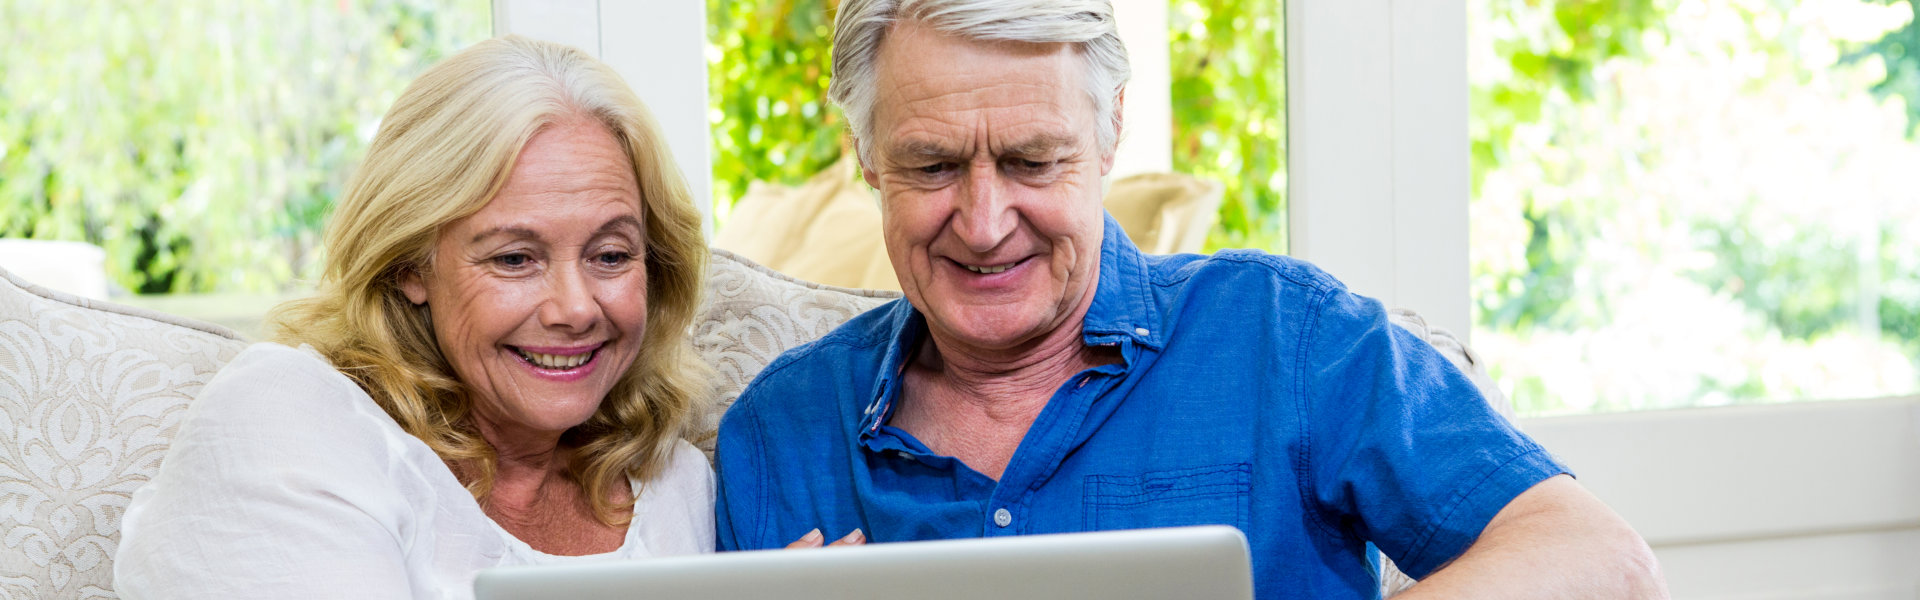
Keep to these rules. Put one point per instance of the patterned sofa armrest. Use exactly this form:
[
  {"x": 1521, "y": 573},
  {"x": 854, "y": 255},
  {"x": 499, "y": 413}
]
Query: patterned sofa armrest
[
  {"x": 752, "y": 314},
  {"x": 90, "y": 396}
]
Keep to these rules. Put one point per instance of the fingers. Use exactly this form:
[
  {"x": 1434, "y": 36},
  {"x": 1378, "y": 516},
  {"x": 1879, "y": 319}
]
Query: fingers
[
  {"x": 857, "y": 537},
  {"x": 813, "y": 539}
]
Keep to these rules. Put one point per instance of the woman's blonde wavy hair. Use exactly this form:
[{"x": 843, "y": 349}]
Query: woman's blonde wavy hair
[{"x": 443, "y": 151}]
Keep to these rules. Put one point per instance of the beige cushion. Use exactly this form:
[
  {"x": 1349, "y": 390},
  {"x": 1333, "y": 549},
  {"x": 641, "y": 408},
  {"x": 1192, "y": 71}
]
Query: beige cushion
[
  {"x": 91, "y": 393},
  {"x": 1165, "y": 213},
  {"x": 826, "y": 230}
]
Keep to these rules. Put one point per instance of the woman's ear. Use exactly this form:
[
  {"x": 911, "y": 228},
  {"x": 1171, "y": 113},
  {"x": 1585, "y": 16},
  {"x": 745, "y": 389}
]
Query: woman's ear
[{"x": 412, "y": 286}]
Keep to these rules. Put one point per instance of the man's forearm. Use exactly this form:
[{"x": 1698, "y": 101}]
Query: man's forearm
[{"x": 1556, "y": 540}]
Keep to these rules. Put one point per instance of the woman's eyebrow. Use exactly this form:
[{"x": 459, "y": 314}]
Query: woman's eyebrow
[
  {"x": 626, "y": 222},
  {"x": 513, "y": 231}
]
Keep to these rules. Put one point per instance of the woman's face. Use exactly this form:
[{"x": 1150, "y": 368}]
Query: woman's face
[{"x": 540, "y": 299}]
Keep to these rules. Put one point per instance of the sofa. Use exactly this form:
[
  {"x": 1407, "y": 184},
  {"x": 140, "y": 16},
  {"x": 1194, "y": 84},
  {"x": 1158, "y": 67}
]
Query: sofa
[{"x": 91, "y": 393}]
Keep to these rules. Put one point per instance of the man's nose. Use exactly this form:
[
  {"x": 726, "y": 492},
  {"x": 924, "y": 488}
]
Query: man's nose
[
  {"x": 570, "y": 303},
  {"x": 985, "y": 216}
]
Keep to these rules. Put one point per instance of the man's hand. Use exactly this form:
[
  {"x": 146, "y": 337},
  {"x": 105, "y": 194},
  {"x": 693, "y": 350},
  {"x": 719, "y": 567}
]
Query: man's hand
[
  {"x": 1556, "y": 540},
  {"x": 813, "y": 538}
]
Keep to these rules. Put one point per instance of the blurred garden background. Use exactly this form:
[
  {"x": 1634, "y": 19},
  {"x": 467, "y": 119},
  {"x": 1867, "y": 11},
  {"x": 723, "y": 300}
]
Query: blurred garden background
[
  {"x": 1694, "y": 203},
  {"x": 1676, "y": 202}
]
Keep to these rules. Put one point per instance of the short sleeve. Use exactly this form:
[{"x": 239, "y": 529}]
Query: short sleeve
[
  {"x": 277, "y": 486},
  {"x": 1403, "y": 451}
]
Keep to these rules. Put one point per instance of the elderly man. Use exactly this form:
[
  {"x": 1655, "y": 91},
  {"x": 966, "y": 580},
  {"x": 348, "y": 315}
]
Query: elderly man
[{"x": 1042, "y": 375}]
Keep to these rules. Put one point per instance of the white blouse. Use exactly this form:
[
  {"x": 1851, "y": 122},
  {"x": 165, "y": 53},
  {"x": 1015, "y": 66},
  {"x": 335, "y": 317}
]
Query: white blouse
[{"x": 287, "y": 481}]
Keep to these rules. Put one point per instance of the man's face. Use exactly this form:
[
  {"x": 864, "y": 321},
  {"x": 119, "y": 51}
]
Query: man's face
[{"x": 987, "y": 161}]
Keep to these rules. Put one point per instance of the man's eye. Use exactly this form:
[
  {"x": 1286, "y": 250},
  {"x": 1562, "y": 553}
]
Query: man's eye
[
  {"x": 935, "y": 168},
  {"x": 1033, "y": 165}
]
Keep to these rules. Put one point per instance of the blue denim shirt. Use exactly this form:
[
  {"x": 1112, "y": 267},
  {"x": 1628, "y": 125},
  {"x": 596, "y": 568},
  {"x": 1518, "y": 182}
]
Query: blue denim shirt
[{"x": 1254, "y": 391}]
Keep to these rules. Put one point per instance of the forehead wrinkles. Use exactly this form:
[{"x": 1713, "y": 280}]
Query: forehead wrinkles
[
  {"x": 963, "y": 95},
  {"x": 1001, "y": 118}
]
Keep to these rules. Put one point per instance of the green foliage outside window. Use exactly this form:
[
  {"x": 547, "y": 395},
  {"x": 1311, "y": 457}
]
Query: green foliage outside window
[
  {"x": 201, "y": 142},
  {"x": 1229, "y": 113},
  {"x": 1681, "y": 203},
  {"x": 768, "y": 63},
  {"x": 1899, "y": 50}
]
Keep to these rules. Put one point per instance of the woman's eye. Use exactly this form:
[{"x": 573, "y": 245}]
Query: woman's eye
[
  {"x": 512, "y": 261},
  {"x": 613, "y": 259}
]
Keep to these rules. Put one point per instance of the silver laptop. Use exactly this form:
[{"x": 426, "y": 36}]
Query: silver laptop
[{"x": 1203, "y": 563}]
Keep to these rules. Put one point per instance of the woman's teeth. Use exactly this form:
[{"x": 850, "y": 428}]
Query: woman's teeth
[{"x": 555, "y": 361}]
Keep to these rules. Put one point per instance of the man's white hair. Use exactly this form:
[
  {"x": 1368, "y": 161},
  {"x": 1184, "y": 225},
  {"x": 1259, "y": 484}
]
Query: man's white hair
[{"x": 862, "y": 26}]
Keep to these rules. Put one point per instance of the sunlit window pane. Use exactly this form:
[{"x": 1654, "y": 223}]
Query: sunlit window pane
[
  {"x": 202, "y": 142},
  {"x": 1690, "y": 203}
]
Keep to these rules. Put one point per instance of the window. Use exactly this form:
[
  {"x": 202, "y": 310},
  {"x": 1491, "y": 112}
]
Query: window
[
  {"x": 201, "y": 142},
  {"x": 1689, "y": 203},
  {"x": 1226, "y": 61}
]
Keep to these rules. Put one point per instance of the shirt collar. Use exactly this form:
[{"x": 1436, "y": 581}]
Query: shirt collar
[
  {"x": 1123, "y": 309},
  {"x": 1123, "y": 303}
]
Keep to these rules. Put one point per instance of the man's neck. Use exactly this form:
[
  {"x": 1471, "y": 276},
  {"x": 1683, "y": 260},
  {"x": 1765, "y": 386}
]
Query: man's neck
[{"x": 977, "y": 405}]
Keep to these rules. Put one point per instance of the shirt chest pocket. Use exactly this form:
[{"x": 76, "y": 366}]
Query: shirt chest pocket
[{"x": 1213, "y": 495}]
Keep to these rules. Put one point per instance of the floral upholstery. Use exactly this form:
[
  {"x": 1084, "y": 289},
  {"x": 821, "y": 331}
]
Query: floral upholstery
[
  {"x": 91, "y": 394},
  {"x": 754, "y": 313}
]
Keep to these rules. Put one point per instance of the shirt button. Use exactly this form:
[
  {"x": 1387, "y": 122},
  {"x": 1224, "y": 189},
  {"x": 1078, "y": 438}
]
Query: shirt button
[
  {"x": 1141, "y": 330},
  {"x": 1002, "y": 517}
]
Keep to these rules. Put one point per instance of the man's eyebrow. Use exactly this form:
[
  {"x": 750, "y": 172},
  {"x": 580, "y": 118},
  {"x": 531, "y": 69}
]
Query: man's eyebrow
[
  {"x": 1041, "y": 144},
  {"x": 924, "y": 149},
  {"x": 1035, "y": 145}
]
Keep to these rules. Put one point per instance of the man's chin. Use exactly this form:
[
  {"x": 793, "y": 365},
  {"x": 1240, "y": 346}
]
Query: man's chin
[{"x": 997, "y": 328}]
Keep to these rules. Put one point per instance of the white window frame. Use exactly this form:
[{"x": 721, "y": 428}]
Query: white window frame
[
  {"x": 1818, "y": 499},
  {"x": 658, "y": 47}
]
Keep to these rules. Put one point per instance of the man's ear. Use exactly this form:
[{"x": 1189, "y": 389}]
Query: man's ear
[
  {"x": 412, "y": 286},
  {"x": 866, "y": 172},
  {"x": 1119, "y": 117}
]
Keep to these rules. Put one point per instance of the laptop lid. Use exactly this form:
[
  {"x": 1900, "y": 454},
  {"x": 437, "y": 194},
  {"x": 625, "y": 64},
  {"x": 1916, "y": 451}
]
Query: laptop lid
[{"x": 1202, "y": 563}]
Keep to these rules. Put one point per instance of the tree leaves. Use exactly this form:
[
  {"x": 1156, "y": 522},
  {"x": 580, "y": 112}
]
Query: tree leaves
[{"x": 201, "y": 142}]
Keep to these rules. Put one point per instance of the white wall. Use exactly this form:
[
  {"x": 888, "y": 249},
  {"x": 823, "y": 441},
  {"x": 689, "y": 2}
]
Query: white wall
[
  {"x": 1798, "y": 500},
  {"x": 1147, "y": 146},
  {"x": 658, "y": 47},
  {"x": 1377, "y": 150}
]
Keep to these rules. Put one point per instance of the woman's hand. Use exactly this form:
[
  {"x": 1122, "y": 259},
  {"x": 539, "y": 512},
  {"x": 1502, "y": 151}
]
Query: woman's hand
[{"x": 813, "y": 538}]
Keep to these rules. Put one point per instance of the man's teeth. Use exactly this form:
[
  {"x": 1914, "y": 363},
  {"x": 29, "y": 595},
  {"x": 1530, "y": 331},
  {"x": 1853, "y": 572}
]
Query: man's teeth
[
  {"x": 555, "y": 361},
  {"x": 988, "y": 270}
]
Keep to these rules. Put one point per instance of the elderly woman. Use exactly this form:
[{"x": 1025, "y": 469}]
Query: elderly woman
[{"x": 495, "y": 370}]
